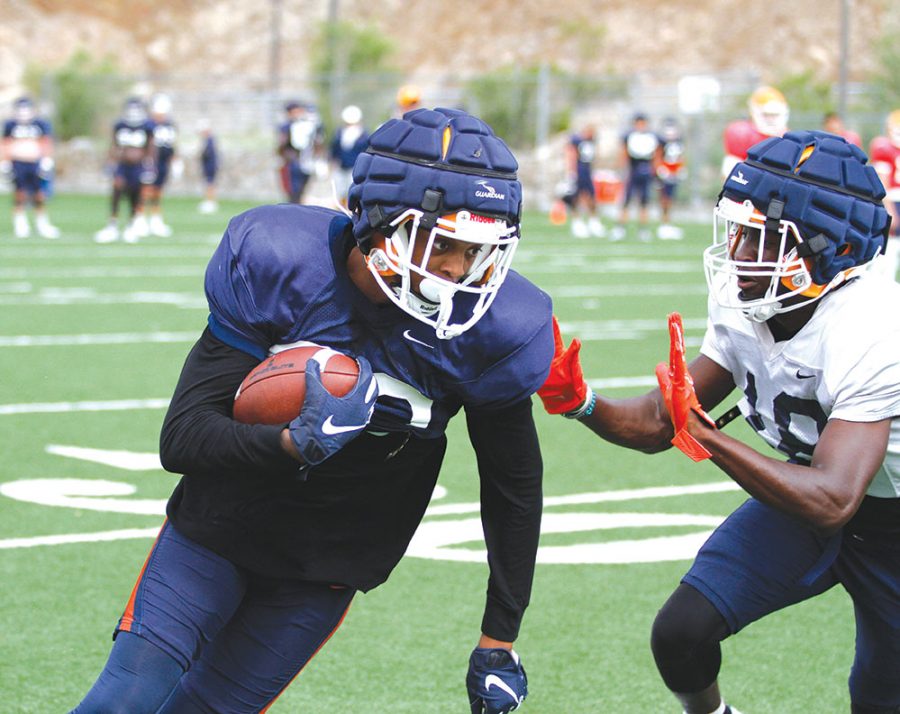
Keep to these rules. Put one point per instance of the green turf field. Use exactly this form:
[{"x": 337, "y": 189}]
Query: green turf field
[{"x": 91, "y": 342}]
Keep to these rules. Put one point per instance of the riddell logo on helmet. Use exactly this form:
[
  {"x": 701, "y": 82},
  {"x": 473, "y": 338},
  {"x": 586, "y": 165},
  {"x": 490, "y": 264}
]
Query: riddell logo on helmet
[{"x": 488, "y": 191}]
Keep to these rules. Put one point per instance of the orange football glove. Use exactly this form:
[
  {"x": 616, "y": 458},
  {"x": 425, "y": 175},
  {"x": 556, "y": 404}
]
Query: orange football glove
[
  {"x": 677, "y": 389},
  {"x": 564, "y": 390}
]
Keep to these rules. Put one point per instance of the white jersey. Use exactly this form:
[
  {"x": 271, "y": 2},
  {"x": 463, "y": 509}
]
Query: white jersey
[{"x": 843, "y": 364}]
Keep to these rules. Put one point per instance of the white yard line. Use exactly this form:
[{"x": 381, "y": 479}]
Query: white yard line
[
  {"x": 111, "y": 338},
  {"x": 86, "y": 406}
]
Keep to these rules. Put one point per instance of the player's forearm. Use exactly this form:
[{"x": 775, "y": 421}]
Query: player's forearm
[
  {"x": 198, "y": 433},
  {"x": 791, "y": 488},
  {"x": 639, "y": 423},
  {"x": 511, "y": 471}
]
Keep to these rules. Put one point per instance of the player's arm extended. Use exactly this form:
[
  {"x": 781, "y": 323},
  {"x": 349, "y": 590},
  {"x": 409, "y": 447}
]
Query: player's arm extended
[
  {"x": 641, "y": 422},
  {"x": 825, "y": 494}
]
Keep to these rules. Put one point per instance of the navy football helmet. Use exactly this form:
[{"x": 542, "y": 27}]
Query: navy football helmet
[
  {"x": 134, "y": 111},
  {"x": 23, "y": 110},
  {"x": 432, "y": 174},
  {"x": 816, "y": 196}
]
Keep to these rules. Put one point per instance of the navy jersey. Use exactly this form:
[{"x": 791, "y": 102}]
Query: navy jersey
[
  {"x": 348, "y": 144},
  {"x": 24, "y": 138},
  {"x": 209, "y": 158},
  {"x": 164, "y": 137},
  {"x": 299, "y": 139},
  {"x": 128, "y": 138},
  {"x": 34, "y": 129},
  {"x": 641, "y": 147},
  {"x": 585, "y": 151},
  {"x": 279, "y": 276}
]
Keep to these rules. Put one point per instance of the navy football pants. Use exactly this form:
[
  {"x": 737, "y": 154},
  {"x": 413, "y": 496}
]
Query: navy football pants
[
  {"x": 204, "y": 635},
  {"x": 760, "y": 560}
]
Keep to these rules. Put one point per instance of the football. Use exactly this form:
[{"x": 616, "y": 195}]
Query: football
[{"x": 274, "y": 390}]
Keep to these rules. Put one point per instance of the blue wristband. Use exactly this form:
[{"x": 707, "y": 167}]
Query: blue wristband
[
  {"x": 585, "y": 409},
  {"x": 591, "y": 404}
]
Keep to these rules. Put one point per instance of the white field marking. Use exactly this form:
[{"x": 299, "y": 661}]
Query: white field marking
[
  {"x": 109, "y": 338},
  {"x": 639, "y": 329},
  {"x": 631, "y": 494},
  {"x": 115, "y": 405},
  {"x": 111, "y": 272},
  {"x": 585, "y": 291},
  {"x": 128, "y": 460},
  {"x": 88, "y": 296},
  {"x": 433, "y": 539},
  {"x": 83, "y": 494},
  {"x": 124, "y": 534},
  {"x": 20, "y": 287},
  {"x": 589, "y": 266},
  {"x": 200, "y": 249},
  {"x": 578, "y": 327}
]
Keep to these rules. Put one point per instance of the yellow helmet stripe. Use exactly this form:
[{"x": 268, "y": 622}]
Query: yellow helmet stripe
[{"x": 446, "y": 142}]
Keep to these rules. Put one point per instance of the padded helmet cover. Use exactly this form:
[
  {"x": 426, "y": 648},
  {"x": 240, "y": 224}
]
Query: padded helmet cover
[
  {"x": 827, "y": 189},
  {"x": 438, "y": 161}
]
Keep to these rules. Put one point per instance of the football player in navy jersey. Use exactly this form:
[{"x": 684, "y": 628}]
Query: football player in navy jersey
[
  {"x": 299, "y": 145},
  {"x": 798, "y": 323},
  {"x": 131, "y": 162},
  {"x": 580, "y": 153},
  {"x": 27, "y": 154},
  {"x": 349, "y": 141},
  {"x": 273, "y": 529},
  {"x": 639, "y": 158},
  {"x": 165, "y": 136},
  {"x": 209, "y": 167}
]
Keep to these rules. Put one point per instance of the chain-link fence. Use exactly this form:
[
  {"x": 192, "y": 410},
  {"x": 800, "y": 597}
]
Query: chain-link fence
[{"x": 534, "y": 110}]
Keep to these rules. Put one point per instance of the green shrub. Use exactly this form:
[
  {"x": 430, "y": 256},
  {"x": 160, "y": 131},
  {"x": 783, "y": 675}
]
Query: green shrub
[{"x": 83, "y": 92}]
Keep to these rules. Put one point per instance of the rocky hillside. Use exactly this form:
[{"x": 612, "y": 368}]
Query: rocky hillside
[{"x": 435, "y": 38}]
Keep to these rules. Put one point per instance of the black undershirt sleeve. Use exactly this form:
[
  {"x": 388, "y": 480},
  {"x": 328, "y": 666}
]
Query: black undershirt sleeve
[
  {"x": 511, "y": 471},
  {"x": 198, "y": 434}
]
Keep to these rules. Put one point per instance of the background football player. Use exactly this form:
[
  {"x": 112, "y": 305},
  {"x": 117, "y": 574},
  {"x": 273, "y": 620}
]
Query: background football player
[
  {"x": 798, "y": 323},
  {"x": 273, "y": 529},
  {"x": 348, "y": 142},
  {"x": 165, "y": 136},
  {"x": 409, "y": 97},
  {"x": 131, "y": 164},
  {"x": 769, "y": 115},
  {"x": 299, "y": 145},
  {"x": 639, "y": 156},
  {"x": 580, "y": 153},
  {"x": 885, "y": 153},
  {"x": 209, "y": 167},
  {"x": 27, "y": 154},
  {"x": 670, "y": 171}
]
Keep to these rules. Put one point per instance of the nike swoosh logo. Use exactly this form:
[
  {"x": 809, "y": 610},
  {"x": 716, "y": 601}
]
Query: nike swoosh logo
[
  {"x": 409, "y": 337},
  {"x": 804, "y": 376},
  {"x": 330, "y": 428},
  {"x": 492, "y": 680}
]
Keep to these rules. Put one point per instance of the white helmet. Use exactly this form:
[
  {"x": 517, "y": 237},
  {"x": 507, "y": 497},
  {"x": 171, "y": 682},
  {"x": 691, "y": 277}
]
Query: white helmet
[
  {"x": 351, "y": 114},
  {"x": 161, "y": 105}
]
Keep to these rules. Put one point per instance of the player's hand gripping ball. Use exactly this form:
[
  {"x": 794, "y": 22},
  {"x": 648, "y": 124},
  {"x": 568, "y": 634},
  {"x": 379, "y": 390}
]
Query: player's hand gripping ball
[{"x": 275, "y": 390}]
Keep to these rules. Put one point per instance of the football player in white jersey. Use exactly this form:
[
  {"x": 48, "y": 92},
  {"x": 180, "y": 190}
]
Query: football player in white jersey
[{"x": 811, "y": 337}]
